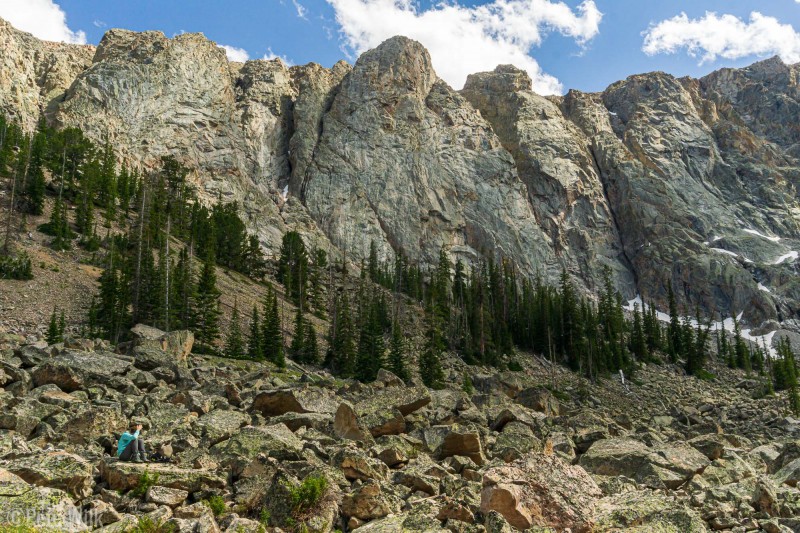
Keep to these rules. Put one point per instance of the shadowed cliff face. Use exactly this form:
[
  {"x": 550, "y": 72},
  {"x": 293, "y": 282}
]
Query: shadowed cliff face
[{"x": 660, "y": 179}]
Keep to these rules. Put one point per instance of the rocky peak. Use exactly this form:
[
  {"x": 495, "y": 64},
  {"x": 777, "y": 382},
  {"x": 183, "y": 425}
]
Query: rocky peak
[
  {"x": 396, "y": 68},
  {"x": 504, "y": 79}
]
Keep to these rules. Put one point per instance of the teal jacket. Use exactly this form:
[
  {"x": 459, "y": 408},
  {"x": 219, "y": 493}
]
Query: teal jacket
[{"x": 125, "y": 439}]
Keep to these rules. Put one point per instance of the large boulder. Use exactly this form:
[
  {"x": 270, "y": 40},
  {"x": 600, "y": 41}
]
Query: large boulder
[
  {"x": 121, "y": 475},
  {"x": 462, "y": 442},
  {"x": 541, "y": 490},
  {"x": 368, "y": 502},
  {"x": 295, "y": 400},
  {"x": 178, "y": 344},
  {"x": 539, "y": 399},
  {"x": 43, "y": 509},
  {"x": 346, "y": 425},
  {"x": 646, "y": 511},
  {"x": 58, "y": 470},
  {"x": 667, "y": 466},
  {"x": 275, "y": 441},
  {"x": 73, "y": 370}
]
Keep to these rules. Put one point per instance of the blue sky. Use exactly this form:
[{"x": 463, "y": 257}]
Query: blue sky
[{"x": 583, "y": 45}]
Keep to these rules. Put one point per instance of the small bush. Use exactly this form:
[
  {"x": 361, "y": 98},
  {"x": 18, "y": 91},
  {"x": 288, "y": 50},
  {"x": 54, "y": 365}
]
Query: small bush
[
  {"x": 24, "y": 527},
  {"x": 16, "y": 267},
  {"x": 705, "y": 375},
  {"x": 146, "y": 480},
  {"x": 148, "y": 525},
  {"x": 466, "y": 385},
  {"x": 264, "y": 517},
  {"x": 307, "y": 494},
  {"x": 514, "y": 366},
  {"x": 216, "y": 504}
]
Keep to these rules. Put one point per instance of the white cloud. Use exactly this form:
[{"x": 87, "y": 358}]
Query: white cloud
[
  {"x": 43, "y": 18},
  {"x": 725, "y": 36},
  {"x": 235, "y": 54},
  {"x": 100, "y": 24},
  {"x": 463, "y": 40},
  {"x": 301, "y": 9},
  {"x": 270, "y": 55}
]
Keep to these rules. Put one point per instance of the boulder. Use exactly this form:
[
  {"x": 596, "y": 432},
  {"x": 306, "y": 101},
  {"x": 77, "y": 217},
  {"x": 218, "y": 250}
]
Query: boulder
[
  {"x": 295, "y": 400},
  {"x": 667, "y": 466},
  {"x": 464, "y": 443},
  {"x": 368, "y": 502},
  {"x": 540, "y": 491},
  {"x": 166, "y": 496},
  {"x": 345, "y": 423},
  {"x": 218, "y": 425},
  {"x": 58, "y": 470},
  {"x": 44, "y": 509},
  {"x": 73, "y": 370},
  {"x": 276, "y": 441},
  {"x": 789, "y": 474},
  {"x": 644, "y": 511},
  {"x": 178, "y": 344},
  {"x": 406, "y": 400},
  {"x": 121, "y": 475},
  {"x": 539, "y": 399}
]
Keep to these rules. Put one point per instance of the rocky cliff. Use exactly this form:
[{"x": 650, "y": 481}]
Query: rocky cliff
[{"x": 660, "y": 179}]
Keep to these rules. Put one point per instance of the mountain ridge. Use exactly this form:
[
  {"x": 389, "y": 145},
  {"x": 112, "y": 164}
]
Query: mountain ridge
[{"x": 640, "y": 178}]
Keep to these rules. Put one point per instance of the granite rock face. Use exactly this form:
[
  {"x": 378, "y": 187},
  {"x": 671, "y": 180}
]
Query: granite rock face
[{"x": 660, "y": 179}]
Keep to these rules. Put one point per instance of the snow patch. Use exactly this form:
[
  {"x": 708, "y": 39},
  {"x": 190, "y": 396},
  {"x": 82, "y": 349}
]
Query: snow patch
[
  {"x": 764, "y": 288},
  {"x": 791, "y": 256},
  {"x": 728, "y": 252},
  {"x": 612, "y": 113},
  {"x": 754, "y": 232},
  {"x": 727, "y": 325},
  {"x": 285, "y": 192}
]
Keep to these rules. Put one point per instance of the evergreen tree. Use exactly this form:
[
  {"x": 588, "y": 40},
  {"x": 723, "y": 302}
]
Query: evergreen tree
[
  {"x": 273, "y": 331},
  {"x": 342, "y": 356},
  {"x": 397, "y": 354},
  {"x": 638, "y": 338},
  {"x": 674, "y": 348},
  {"x": 311, "y": 355},
  {"x": 430, "y": 366},
  {"x": 371, "y": 347},
  {"x": 234, "y": 344},
  {"x": 740, "y": 349},
  {"x": 255, "y": 343},
  {"x": 206, "y": 304},
  {"x": 58, "y": 227},
  {"x": 298, "y": 346},
  {"x": 293, "y": 267},
  {"x": 53, "y": 330}
]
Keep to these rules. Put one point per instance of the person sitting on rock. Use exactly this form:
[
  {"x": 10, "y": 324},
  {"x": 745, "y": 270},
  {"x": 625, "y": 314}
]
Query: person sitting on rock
[{"x": 131, "y": 446}]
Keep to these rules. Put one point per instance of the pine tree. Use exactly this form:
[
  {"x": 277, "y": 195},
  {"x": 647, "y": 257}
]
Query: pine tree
[
  {"x": 297, "y": 348},
  {"x": 206, "y": 304},
  {"x": 674, "y": 348},
  {"x": 638, "y": 340},
  {"x": 53, "y": 330},
  {"x": 740, "y": 349},
  {"x": 430, "y": 366},
  {"x": 342, "y": 357},
  {"x": 255, "y": 344},
  {"x": 293, "y": 267},
  {"x": 58, "y": 227},
  {"x": 272, "y": 336},
  {"x": 310, "y": 347},
  {"x": 371, "y": 348},
  {"x": 397, "y": 354},
  {"x": 234, "y": 344}
]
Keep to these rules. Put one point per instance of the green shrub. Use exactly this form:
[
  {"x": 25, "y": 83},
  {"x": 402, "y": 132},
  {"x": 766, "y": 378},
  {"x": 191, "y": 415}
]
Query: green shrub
[
  {"x": 216, "y": 504},
  {"x": 307, "y": 494},
  {"x": 264, "y": 517},
  {"x": 466, "y": 385},
  {"x": 146, "y": 480},
  {"x": 705, "y": 375},
  {"x": 25, "y": 527},
  {"x": 148, "y": 525},
  {"x": 514, "y": 366},
  {"x": 16, "y": 267}
]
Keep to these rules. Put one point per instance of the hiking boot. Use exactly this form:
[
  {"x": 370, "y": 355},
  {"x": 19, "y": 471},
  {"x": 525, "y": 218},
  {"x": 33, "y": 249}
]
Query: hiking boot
[{"x": 137, "y": 458}]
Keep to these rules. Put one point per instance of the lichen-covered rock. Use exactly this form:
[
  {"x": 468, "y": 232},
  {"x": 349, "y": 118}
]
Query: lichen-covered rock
[
  {"x": 48, "y": 510},
  {"x": 59, "y": 470},
  {"x": 295, "y": 400},
  {"x": 542, "y": 491},
  {"x": 121, "y": 475},
  {"x": 642, "y": 512}
]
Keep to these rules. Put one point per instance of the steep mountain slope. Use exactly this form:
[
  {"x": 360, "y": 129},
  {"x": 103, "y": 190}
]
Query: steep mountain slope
[{"x": 660, "y": 179}]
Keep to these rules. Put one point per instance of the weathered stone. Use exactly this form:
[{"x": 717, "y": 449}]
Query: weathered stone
[
  {"x": 368, "y": 502},
  {"x": 300, "y": 400},
  {"x": 540, "y": 490},
  {"x": 345, "y": 423},
  {"x": 58, "y": 470},
  {"x": 166, "y": 496},
  {"x": 122, "y": 475},
  {"x": 51, "y": 510}
]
